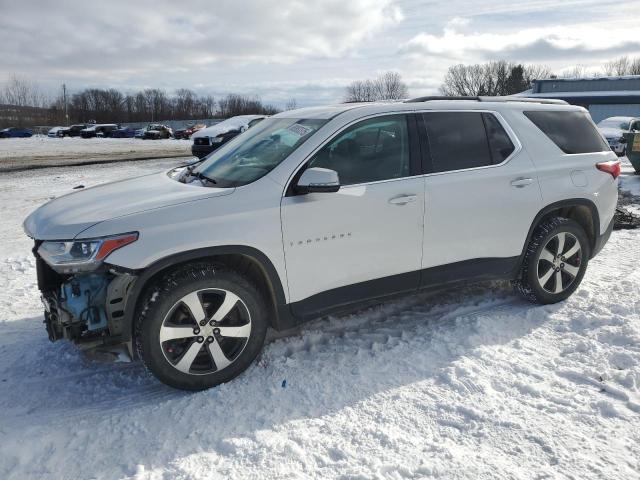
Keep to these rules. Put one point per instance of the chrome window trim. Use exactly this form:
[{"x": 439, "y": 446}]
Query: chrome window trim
[{"x": 510, "y": 133}]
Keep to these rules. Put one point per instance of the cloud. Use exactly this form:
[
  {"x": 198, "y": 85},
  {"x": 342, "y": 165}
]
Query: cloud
[
  {"x": 529, "y": 44},
  {"x": 122, "y": 38}
]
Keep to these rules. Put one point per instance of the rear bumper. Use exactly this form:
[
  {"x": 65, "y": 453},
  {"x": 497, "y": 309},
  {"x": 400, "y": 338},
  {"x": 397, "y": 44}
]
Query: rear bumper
[{"x": 601, "y": 240}]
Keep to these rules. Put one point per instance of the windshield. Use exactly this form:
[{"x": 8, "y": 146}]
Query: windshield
[
  {"x": 622, "y": 125},
  {"x": 256, "y": 152}
]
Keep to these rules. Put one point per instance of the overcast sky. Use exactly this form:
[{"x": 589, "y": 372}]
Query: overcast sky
[{"x": 307, "y": 50}]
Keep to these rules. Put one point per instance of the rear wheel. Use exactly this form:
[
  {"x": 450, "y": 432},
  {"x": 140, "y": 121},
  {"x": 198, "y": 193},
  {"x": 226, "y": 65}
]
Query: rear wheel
[
  {"x": 200, "y": 327},
  {"x": 555, "y": 261}
]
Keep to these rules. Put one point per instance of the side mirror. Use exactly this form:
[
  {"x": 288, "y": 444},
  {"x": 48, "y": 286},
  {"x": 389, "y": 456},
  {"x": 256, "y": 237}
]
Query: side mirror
[{"x": 318, "y": 180}]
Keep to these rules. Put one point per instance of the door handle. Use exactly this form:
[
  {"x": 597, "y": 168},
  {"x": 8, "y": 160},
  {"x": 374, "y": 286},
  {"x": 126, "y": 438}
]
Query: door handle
[
  {"x": 403, "y": 199},
  {"x": 521, "y": 182}
]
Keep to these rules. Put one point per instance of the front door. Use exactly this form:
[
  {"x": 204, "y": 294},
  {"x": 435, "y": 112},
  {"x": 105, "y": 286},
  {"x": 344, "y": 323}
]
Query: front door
[{"x": 366, "y": 239}]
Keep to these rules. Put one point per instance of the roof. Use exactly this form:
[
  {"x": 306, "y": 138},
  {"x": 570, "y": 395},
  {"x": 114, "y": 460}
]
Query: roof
[
  {"x": 580, "y": 79},
  {"x": 586, "y": 86},
  {"x": 592, "y": 93},
  {"x": 324, "y": 113},
  {"x": 424, "y": 103}
]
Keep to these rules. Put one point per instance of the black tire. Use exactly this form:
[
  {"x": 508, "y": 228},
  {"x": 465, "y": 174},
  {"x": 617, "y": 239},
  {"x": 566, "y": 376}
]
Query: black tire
[
  {"x": 160, "y": 301},
  {"x": 529, "y": 283}
]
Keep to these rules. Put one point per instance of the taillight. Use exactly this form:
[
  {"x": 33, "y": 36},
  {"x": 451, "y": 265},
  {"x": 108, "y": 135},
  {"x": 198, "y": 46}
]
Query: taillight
[{"x": 612, "y": 167}]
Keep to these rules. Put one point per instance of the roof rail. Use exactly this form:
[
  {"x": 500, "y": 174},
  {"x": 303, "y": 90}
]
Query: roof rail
[
  {"x": 440, "y": 97},
  {"x": 511, "y": 98}
]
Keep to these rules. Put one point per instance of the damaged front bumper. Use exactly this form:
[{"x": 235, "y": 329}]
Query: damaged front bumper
[{"x": 86, "y": 308}]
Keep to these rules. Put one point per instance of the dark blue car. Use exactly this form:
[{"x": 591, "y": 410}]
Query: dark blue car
[
  {"x": 13, "y": 132},
  {"x": 124, "y": 132}
]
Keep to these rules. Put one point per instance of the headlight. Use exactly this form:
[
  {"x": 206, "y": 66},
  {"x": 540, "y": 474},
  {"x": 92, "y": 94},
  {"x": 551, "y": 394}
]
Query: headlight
[
  {"x": 216, "y": 139},
  {"x": 82, "y": 255}
]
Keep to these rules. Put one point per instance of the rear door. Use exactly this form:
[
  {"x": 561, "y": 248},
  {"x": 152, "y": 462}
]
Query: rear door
[{"x": 481, "y": 193}]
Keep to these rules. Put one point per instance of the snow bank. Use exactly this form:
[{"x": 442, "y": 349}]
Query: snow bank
[
  {"x": 471, "y": 383},
  {"x": 68, "y": 147},
  {"x": 41, "y": 151}
]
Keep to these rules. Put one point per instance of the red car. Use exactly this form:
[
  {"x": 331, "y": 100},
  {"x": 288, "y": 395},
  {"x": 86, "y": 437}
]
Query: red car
[{"x": 185, "y": 133}]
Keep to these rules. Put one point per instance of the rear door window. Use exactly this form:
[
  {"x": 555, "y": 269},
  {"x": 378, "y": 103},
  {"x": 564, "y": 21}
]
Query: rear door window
[
  {"x": 500, "y": 144},
  {"x": 457, "y": 140},
  {"x": 572, "y": 132}
]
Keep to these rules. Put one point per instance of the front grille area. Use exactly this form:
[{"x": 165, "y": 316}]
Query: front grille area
[{"x": 201, "y": 141}]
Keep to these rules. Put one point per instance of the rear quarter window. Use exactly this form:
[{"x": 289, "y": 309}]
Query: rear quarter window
[{"x": 572, "y": 132}]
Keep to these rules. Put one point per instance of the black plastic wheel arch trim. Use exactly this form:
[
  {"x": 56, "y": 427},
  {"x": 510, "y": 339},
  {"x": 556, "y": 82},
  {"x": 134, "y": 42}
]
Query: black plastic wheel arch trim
[
  {"x": 144, "y": 275},
  {"x": 568, "y": 203}
]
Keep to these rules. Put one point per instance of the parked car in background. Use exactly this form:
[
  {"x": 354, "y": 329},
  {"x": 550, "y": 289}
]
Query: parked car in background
[
  {"x": 208, "y": 139},
  {"x": 13, "y": 132},
  {"x": 53, "y": 133},
  {"x": 157, "y": 132},
  {"x": 124, "y": 132},
  {"x": 614, "y": 128},
  {"x": 99, "y": 130},
  {"x": 317, "y": 209},
  {"x": 185, "y": 133},
  {"x": 72, "y": 131}
]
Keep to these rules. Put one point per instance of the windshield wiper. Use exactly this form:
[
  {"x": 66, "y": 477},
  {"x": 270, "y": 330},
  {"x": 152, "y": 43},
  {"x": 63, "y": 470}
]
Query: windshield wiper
[
  {"x": 193, "y": 165},
  {"x": 202, "y": 177}
]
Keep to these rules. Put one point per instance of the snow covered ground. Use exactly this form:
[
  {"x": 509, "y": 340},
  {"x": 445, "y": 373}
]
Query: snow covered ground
[
  {"x": 38, "y": 150},
  {"x": 469, "y": 383},
  {"x": 629, "y": 181}
]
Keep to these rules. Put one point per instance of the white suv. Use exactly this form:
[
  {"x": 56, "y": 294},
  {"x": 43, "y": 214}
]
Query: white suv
[{"x": 320, "y": 209}]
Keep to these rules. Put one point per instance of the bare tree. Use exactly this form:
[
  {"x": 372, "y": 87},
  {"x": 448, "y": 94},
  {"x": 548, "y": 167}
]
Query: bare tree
[
  {"x": 622, "y": 66},
  {"x": 27, "y": 105},
  {"x": 578, "y": 71},
  {"x": 24, "y": 96},
  {"x": 618, "y": 66},
  {"x": 291, "y": 104},
  {"x": 17, "y": 91},
  {"x": 536, "y": 72},
  {"x": 360, "y": 91},
  {"x": 234, "y": 104},
  {"x": 489, "y": 79},
  {"x": 388, "y": 86}
]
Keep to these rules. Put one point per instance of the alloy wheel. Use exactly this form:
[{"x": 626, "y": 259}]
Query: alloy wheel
[
  {"x": 559, "y": 262},
  {"x": 205, "y": 331}
]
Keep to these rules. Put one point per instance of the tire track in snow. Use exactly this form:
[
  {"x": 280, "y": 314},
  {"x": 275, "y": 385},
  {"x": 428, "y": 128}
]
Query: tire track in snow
[{"x": 392, "y": 320}]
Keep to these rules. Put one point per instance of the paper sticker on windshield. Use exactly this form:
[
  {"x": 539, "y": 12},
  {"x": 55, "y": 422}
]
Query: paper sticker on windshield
[{"x": 299, "y": 130}]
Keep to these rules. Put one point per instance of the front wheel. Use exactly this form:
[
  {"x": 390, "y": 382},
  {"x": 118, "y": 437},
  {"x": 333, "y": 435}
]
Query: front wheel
[
  {"x": 555, "y": 261},
  {"x": 200, "y": 327}
]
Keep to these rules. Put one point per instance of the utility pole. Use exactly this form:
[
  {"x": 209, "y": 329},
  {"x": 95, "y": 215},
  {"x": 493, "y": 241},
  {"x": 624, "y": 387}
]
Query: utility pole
[{"x": 64, "y": 101}]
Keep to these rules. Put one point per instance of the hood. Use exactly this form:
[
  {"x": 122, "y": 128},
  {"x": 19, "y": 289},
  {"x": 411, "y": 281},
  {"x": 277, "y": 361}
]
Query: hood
[
  {"x": 67, "y": 216},
  {"x": 235, "y": 123},
  {"x": 610, "y": 132}
]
